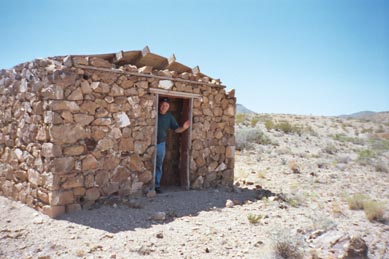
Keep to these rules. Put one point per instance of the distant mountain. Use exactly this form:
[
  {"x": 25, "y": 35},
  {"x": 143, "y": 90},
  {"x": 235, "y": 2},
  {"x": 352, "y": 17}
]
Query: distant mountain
[
  {"x": 368, "y": 116},
  {"x": 241, "y": 109},
  {"x": 357, "y": 115}
]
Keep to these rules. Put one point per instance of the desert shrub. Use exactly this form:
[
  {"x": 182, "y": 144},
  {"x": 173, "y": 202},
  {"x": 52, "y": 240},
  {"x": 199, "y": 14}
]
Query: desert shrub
[
  {"x": 374, "y": 210},
  {"x": 369, "y": 130},
  {"x": 344, "y": 138},
  {"x": 330, "y": 149},
  {"x": 364, "y": 156},
  {"x": 284, "y": 126},
  {"x": 380, "y": 129},
  {"x": 254, "y": 121},
  {"x": 356, "y": 201},
  {"x": 244, "y": 138},
  {"x": 269, "y": 125},
  {"x": 254, "y": 219},
  {"x": 309, "y": 131},
  {"x": 286, "y": 249},
  {"x": 381, "y": 166},
  {"x": 240, "y": 118},
  {"x": 379, "y": 145}
]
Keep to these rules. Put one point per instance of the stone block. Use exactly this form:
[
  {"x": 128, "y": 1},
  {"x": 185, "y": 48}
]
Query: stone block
[
  {"x": 120, "y": 174},
  {"x": 145, "y": 177},
  {"x": 83, "y": 119},
  {"x": 61, "y": 197},
  {"x": 53, "y": 211},
  {"x": 116, "y": 90},
  {"x": 121, "y": 119},
  {"x": 51, "y": 150},
  {"x": 92, "y": 194},
  {"x": 63, "y": 164},
  {"x": 75, "y": 150},
  {"x": 76, "y": 95},
  {"x": 89, "y": 163},
  {"x": 52, "y": 92},
  {"x": 99, "y": 62},
  {"x": 67, "y": 134},
  {"x": 136, "y": 163},
  {"x": 73, "y": 182},
  {"x": 73, "y": 208},
  {"x": 230, "y": 152},
  {"x": 34, "y": 177},
  {"x": 63, "y": 106}
]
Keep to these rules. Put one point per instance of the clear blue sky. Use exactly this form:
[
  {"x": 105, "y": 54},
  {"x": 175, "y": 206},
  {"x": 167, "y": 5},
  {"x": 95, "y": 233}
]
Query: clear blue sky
[{"x": 320, "y": 57}]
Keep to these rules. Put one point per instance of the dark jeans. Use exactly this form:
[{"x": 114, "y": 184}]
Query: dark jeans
[{"x": 161, "y": 149}]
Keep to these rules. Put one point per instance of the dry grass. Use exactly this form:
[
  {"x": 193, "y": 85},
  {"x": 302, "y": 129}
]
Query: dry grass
[
  {"x": 356, "y": 201},
  {"x": 254, "y": 219},
  {"x": 284, "y": 249},
  {"x": 374, "y": 210}
]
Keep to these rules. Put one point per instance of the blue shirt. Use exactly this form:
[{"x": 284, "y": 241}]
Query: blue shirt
[{"x": 165, "y": 122}]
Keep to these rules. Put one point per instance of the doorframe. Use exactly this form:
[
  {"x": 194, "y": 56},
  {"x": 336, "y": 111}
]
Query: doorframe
[{"x": 175, "y": 94}]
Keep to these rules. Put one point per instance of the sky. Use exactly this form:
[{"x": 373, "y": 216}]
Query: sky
[{"x": 310, "y": 57}]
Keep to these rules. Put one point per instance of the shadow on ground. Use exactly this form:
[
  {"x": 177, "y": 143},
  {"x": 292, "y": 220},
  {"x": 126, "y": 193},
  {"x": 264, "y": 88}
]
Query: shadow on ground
[{"x": 115, "y": 215}]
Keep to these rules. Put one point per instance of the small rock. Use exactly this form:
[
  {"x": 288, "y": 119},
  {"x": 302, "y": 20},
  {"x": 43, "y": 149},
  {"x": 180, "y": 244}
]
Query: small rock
[
  {"x": 207, "y": 250},
  {"x": 159, "y": 235},
  {"x": 38, "y": 220},
  {"x": 357, "y": 248},
  {"x": 151, "y": 194},
  {"x": 159, "y": 216},
  {"x": 237, "y": 202},
  {"x": 229, "y": 204}
]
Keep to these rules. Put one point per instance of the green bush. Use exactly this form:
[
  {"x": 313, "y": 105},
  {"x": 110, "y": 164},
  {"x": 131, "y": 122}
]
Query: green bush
[
  {"x": 269, "y": 125},
  {"x": 254, "y": 121},
  {"x": 365, "y": 155},
  {"x": 240, "y": 118},
  {"x": 283, "y": 126}
]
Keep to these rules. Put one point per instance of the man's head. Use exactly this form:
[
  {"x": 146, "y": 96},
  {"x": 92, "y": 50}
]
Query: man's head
[{"x": 164, "y": 105}]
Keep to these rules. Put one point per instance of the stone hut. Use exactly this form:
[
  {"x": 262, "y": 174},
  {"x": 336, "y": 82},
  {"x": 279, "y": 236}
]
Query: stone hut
[{"x": 77, "y": 128}]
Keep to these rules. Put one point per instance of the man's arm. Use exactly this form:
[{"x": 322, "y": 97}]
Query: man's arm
[{"x": 184, "y": 127}]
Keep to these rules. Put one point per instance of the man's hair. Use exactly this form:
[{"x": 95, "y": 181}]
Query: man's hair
[{"x": 164, "y": 99}]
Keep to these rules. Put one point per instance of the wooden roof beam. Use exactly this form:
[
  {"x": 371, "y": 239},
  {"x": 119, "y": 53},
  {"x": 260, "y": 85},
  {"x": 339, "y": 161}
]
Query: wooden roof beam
[
  {"x": 151, "y": 59},
  {"x": 176, "y": 66}
]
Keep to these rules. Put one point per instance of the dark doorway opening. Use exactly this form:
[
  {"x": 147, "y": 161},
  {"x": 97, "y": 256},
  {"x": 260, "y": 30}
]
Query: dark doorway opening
[{"x": 176, "y": 163}]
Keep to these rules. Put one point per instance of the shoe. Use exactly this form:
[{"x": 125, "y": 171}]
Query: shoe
[{"x": 158, "y": 190}]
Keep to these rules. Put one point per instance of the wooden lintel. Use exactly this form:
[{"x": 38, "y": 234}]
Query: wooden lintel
[{"x": 173, "y": 93}]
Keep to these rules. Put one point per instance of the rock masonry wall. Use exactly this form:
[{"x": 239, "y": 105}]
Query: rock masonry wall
[{"x": 70, "y": 135}]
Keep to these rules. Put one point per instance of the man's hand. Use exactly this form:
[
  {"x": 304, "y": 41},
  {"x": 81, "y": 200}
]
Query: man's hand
[{"x": 184, "y": 127}]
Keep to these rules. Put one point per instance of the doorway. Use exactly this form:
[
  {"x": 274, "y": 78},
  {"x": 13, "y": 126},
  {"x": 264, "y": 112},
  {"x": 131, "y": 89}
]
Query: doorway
[
  {"x": 174, "y": 165},
  {"x": 177, "y": 158}
]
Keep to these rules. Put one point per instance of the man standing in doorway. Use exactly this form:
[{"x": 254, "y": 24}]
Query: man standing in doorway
[{"x": 166, "y": 121}]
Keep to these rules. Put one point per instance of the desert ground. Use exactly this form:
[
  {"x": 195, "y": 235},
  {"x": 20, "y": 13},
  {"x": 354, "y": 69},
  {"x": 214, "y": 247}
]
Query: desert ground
[{"x": 305, "y": 187}]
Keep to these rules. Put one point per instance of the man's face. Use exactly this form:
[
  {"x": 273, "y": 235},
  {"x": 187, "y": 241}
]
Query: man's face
[{"x": 164, "y": 107}]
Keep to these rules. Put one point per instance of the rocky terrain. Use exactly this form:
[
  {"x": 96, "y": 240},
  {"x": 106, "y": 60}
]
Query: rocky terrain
[{"x": 305, "y": 187}]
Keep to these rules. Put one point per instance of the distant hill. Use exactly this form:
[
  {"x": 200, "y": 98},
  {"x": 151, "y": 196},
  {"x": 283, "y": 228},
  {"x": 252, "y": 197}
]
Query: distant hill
[
  {"x": 241, "y": 109},
  {"x": 368, "y": 116}
]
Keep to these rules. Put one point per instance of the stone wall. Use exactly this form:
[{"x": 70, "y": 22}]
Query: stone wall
[{"x": 70, "y": 135}]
